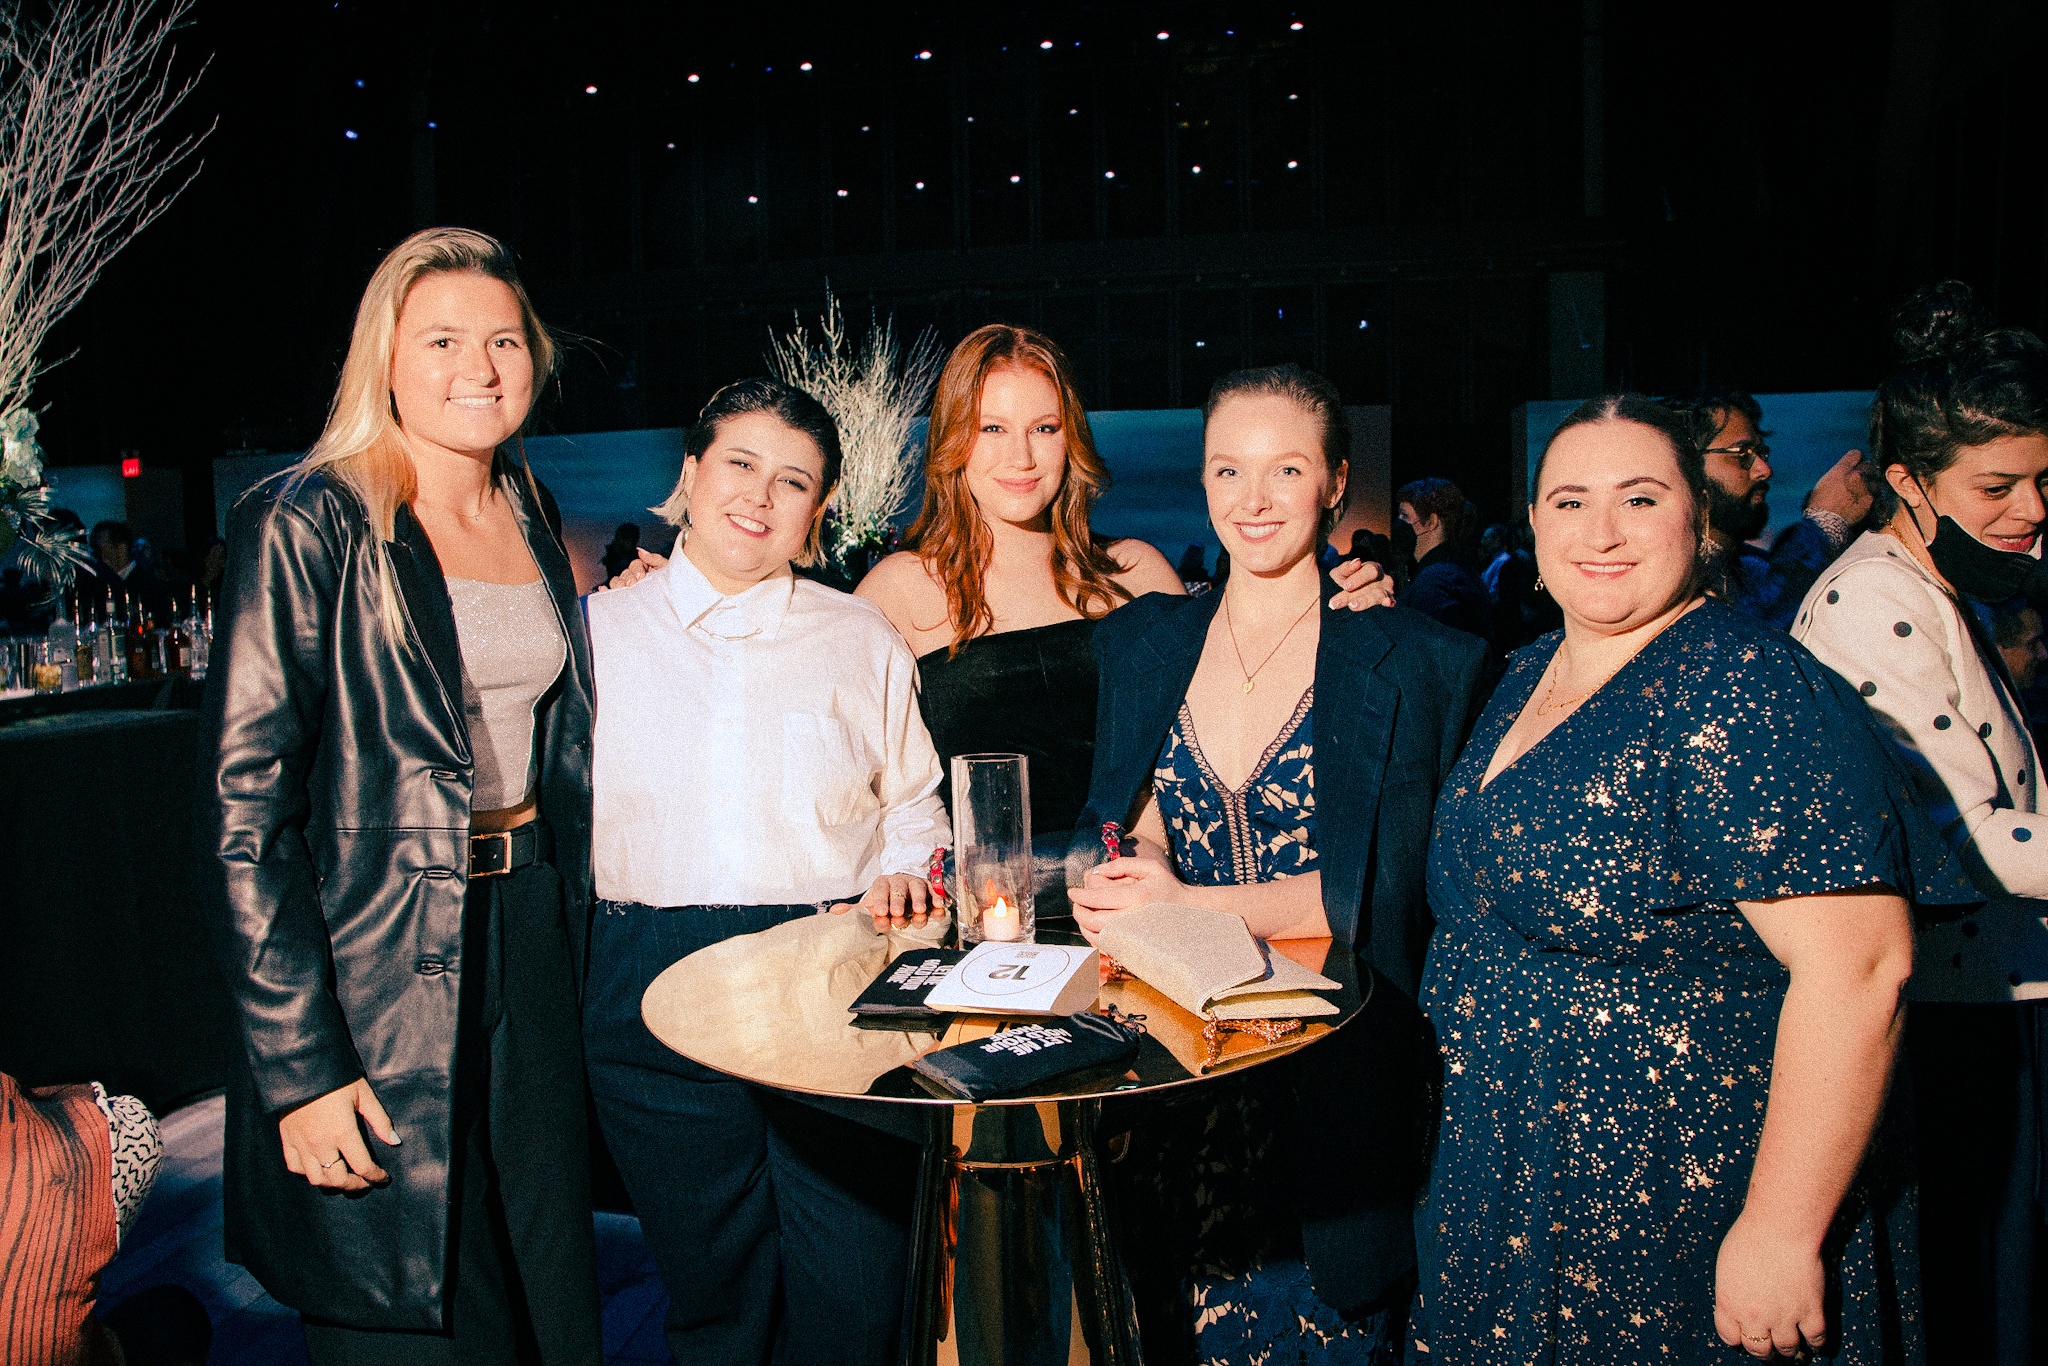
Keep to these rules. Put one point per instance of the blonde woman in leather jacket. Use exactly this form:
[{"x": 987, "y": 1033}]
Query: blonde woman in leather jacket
[{"x": 396, "y": 824}]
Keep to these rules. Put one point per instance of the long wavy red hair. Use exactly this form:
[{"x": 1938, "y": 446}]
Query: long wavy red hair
[{"x": 949, "y": 534}]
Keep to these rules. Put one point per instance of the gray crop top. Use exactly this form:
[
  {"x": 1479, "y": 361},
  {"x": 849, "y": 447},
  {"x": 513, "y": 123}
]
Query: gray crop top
[{"x": 512, "y": 652}]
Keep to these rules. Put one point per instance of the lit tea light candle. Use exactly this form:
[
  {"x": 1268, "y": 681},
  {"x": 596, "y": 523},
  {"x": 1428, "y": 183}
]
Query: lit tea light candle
[{"x": 1001, "y": 923}]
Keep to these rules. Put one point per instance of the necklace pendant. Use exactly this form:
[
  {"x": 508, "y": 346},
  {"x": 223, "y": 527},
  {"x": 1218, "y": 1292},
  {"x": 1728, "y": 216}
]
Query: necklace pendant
[{"x": 1249, "y": 685}]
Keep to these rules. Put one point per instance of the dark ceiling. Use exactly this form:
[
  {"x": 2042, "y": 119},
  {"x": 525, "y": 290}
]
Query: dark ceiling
[{"x": 1395, "y": 193}]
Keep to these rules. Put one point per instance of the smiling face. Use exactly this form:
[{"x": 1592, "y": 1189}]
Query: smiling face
[
  {"x": 461, "y": 366},
  {"x": 1617, "y": 530},
  {"x": 752, "y": 498},
  {"x": 1268, "y": 485},
  {"x": 1019, "y": 455},
  {"x": 1993, "y": 491}
]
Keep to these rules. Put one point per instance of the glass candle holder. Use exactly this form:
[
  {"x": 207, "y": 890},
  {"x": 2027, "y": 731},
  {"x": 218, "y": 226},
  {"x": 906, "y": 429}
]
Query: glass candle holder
[{"x": 992, "y": 869}]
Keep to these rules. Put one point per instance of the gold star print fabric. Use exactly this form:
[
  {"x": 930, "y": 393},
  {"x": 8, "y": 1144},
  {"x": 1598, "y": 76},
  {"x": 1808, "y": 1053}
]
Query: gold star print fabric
[{"x": 1607, "y": 1017}]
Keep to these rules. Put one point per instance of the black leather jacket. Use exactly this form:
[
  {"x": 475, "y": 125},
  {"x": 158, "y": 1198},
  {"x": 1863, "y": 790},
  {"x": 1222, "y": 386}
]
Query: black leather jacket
[{"x": 335, "y": 817}]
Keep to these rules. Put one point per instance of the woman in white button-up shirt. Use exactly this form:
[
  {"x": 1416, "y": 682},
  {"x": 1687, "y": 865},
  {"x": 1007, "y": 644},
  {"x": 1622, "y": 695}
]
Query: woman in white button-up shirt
[
  {"x": 758, "y": 754},
  {"x": 1961, "y": 434}
]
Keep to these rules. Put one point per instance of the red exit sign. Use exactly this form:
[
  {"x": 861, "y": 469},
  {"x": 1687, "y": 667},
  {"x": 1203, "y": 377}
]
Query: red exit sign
[{"x": 131, "y": 468}]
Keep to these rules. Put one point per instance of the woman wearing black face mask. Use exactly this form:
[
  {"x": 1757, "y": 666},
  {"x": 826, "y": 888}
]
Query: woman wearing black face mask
[{"x": 1960, "y": 432}]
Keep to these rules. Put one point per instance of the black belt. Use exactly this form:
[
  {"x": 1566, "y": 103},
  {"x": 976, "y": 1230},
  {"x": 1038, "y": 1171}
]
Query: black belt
[{"x": 507, "y": 851}]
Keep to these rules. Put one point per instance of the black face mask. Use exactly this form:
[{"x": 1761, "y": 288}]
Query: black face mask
[
  {"x": 1975, "y": 569},
  {"x": 1404, "y": 540}
]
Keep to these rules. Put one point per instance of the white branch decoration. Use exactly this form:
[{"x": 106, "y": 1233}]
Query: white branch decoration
[
  {"x": 84, "y": 97},
  {"x": 875, "y": 397}
]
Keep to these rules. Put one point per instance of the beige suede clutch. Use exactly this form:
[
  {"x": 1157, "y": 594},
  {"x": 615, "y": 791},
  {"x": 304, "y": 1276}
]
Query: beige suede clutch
[{"x": 1208, "y": 963}]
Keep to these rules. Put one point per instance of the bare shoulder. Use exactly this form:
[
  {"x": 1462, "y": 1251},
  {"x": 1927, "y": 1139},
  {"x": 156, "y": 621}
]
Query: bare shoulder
[
  {"x": 900, "y": 579},
  {"x": 902, "y": 586},
  {"x": 1143, "y": 569}
]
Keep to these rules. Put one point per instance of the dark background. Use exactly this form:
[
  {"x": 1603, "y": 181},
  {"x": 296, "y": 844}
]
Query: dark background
[{"x": 1519, "y": 201}]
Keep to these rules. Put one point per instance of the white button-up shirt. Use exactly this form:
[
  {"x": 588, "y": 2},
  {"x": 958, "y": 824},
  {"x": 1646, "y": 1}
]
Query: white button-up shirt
[{"x": 758, "y": 749}]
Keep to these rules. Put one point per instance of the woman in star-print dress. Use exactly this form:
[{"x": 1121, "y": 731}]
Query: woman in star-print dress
[{"x": 1637, "y": 888}]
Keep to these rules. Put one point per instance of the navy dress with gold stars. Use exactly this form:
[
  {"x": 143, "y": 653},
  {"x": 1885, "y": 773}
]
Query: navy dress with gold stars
[{"x": 1607, "y": 1017}]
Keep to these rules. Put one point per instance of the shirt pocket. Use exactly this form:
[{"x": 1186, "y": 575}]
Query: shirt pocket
[{"x": 822, "y": 770}]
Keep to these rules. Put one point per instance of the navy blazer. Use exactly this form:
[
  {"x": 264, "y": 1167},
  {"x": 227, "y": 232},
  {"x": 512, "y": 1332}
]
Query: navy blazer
[{"x": 1395, "y": 696}]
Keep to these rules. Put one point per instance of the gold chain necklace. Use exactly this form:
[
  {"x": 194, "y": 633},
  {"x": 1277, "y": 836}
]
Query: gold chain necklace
[
  {"x": 1231, "y": 626},
  {"x": 1550, "y": 703}
]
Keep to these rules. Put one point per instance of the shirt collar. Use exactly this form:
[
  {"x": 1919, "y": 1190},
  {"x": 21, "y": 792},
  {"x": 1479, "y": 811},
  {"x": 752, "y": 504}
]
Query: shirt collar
[{"x": 756, "y": 611}]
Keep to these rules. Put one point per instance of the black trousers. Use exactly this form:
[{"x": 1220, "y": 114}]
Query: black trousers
[
  {"x": 780, "y": 1230},
  {"x": 1978, "y": 1093},
  {"x": 522, "y": 1283}
]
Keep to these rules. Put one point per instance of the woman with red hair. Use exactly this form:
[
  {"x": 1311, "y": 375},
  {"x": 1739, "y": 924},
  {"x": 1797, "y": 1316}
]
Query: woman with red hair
[{"x": 1003, "y": 581}]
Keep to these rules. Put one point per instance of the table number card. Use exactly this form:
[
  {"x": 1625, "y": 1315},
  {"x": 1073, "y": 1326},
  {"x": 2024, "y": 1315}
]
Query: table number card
[{"x": 1019, "y": 979}]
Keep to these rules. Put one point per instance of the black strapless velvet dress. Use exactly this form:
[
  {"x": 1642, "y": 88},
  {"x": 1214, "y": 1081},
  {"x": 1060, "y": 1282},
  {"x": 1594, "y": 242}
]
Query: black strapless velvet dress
[{"x": 1029, "y": 692}]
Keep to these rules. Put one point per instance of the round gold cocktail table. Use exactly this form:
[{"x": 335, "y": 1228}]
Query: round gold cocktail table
[{"x": 1011, "y": 1262}]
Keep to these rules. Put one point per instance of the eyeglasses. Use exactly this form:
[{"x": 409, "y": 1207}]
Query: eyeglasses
[{"x": 1744, "y": 454}]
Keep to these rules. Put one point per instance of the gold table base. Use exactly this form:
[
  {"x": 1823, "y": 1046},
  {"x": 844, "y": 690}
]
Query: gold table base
[{"x": 1011, "y": 1262}]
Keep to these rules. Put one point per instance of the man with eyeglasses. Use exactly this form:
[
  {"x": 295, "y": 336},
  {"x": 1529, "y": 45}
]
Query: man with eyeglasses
[{"x": 1771, "y": 585}]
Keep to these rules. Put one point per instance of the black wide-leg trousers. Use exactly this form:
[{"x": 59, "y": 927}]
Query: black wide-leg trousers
[
  {"x": 780, "y": 1230},
  {"x": 522, "y": 1271}
]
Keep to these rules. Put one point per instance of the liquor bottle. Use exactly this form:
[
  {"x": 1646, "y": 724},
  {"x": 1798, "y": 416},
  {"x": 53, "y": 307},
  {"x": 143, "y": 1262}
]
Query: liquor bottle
[
  {"x": 63, "y": 638},
  {"x": 105, "y": 649},
  {"x": 87, "y": 657},
  {"x": 117, "y": 636},
  {"x": 178, "y": 644},
  {"x": 202, "y": 632},
  {"x": 139, "y": 629}
]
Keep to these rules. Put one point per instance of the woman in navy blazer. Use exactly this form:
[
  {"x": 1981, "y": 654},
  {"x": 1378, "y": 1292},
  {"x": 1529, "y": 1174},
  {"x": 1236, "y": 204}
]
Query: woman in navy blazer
[{"x": 1280, "y": 760}]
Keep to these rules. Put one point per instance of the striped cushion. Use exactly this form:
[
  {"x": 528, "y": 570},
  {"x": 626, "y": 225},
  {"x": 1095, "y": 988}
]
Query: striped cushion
[{"x": 56, "y": 1224}]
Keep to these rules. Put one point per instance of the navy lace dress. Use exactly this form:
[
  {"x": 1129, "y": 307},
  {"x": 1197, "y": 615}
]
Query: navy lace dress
[
  {"x": 1216, "y": 1252},
  {"x": 1607, "y": 1017}
]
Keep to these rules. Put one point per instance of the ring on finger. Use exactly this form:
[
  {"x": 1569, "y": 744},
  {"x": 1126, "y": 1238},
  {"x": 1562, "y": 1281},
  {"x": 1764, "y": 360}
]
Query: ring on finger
[{"x": 325, "y": 1165}]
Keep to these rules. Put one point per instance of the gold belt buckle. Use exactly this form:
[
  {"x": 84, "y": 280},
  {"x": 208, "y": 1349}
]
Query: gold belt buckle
[{"x": 505, "y": 863}]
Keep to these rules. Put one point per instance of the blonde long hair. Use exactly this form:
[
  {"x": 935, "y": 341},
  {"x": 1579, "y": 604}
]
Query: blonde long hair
[
  {"x": 362, "y": 444},
  {"x": 949, "y": 534}
]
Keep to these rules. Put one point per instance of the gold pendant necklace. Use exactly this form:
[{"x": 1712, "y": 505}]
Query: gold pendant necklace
[{"x": 1231, "y": 626}]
